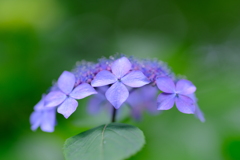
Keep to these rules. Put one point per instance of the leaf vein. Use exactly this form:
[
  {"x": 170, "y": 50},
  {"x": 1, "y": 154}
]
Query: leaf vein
[
  {"x": 102, "y": 157},
  {"x": 120, "y": 135}
]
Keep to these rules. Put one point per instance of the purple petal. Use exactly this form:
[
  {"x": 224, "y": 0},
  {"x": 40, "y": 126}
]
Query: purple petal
[
  {"x": 40, "y": 104},
  {"x": 185, "y": 104},
  {"x": 185, "y": 87},
  {"x": 135, "y": 79},
  {"x": 103, "y": 78},
  {"x": 136, "y": 113},
  {"x": 165, "y": 101},
  {"x": 117, "y": 94},
  {"x": 48, "y": 120},
  {"x": 145, "y": 98},
  {"x": 35, "y": 120},
  {"x": 199, "y": 114},
  {"x": 121, "y": 66},
  {"x": 135, "y": 98},
  {"x": 99, "y": 101},
  {"x": 54, "y": 98},
  {"x": 166, "y": 84},
  {"x": 95, "y": 102},
  {"x": 68, "y": 107},
  {"x": 82, "y": 91},
  {"x": 149, "y": 91},
  {"x": 66, "y": 82},
  {"x": 102, "y": 90},
  {"x": 193, "y": 97}
]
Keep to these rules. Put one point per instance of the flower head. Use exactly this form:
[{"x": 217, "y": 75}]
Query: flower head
[
  {"x": 120, "y": 76},
  {"x": 115, "y": 81},
  {"x": 66, "y": 95},
  {"x": 176, "y": 93}
]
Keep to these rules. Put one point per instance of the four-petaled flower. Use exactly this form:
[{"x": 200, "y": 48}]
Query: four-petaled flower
[
  {"x": 43, "y": 117},
  {"x": 66, "y": 95},
  {"x": 120, "y": 76},
  {"x": 178, "y": 93}
]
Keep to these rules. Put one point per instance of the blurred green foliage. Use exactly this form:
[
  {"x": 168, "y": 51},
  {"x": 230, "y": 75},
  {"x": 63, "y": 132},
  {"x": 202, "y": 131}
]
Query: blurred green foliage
[{"x": 39, "y": 39}]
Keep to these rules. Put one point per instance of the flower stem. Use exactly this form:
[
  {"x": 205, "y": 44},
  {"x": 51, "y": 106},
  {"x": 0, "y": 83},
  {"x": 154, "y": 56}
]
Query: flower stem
[{"x": 114, "y": 114}]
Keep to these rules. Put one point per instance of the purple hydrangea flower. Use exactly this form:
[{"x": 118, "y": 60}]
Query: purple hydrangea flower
[
  {"x": 176, "y": 93},
  {"x": 114, "y": 77},
  {"x": 121, "y": 75},
  {"x": 66, "y": 95},
  {"x": 98, "y": 102},
  {"x": 43, "y": 117},
  {"x": 143, "y": 99}
]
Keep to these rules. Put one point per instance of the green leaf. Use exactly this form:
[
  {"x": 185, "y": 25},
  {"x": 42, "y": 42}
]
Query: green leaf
[{"x": 114, "y": 141}]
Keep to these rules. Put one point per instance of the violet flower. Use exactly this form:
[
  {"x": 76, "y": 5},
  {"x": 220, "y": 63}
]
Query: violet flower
[
  {"x": 178, "y": 93},
  {"x": 43, "y": 117},
  {"x": 66, "y": 95},
  {"x": 143, "y": 99},
  {"x": 121, "y": 75},
  {"x": 98, "y": 102}
]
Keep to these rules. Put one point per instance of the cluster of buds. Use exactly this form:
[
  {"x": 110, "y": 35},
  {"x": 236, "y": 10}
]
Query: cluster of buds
[{"x": 113, "y": 82}]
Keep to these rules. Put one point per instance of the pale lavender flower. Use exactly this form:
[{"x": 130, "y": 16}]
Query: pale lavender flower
[
  {"x": 143, "y": 99},
  {"x": 176, "y": 93},
  {"x": 121, "y": 75},
  {"x": 66, "y": 95},
  {"x": 43, "y": 117},
  {"x": 99, "y": 101}
]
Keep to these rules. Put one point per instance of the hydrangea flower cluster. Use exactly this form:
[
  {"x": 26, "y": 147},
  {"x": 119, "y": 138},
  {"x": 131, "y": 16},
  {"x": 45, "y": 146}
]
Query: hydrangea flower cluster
[{"x": 113, "y": 82}]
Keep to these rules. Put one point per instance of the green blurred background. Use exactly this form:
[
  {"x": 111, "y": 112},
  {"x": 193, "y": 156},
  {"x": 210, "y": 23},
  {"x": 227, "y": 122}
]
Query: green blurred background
[{"x": 200, "y": 39}]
